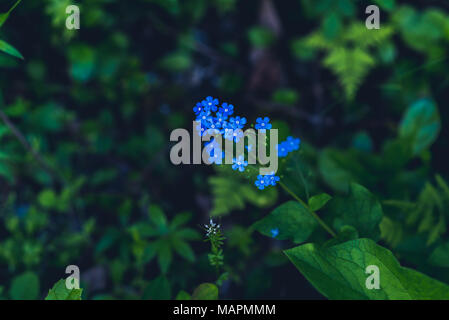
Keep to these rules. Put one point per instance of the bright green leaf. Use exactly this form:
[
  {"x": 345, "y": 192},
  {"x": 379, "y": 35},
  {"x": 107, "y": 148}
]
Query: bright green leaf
[
  {"x": 4, "y": 16},
  {"x": 60, "y": 292},
  {"x": 6, "y": 47},
  {"x": 339, "y": 272}
]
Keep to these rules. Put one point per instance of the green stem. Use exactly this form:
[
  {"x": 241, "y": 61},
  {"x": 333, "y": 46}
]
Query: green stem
[{"x": 314, "y": 215}]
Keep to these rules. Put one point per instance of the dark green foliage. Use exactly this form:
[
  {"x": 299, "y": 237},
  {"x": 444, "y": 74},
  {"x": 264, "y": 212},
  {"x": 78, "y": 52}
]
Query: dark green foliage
[{"x": 86, "y": 179}]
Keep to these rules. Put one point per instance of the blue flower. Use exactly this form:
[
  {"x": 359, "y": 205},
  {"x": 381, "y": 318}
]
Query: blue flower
[
  {"x": 272, "y": 179},
  {"x": 198, "y": 108},
  {"x": 239, "y": 163},
  {"x": 226, "y": 109},
  {"x": 221, "y": 119},
  {"x": 282, "y": 149},
  {"x": 287, "y": 146},
  {"x": 263, "y": 123},
  {"x": 204, "y": 117},
  {"x": 237, "y": 122},
  {"x": 238, "y": 134},
  {"x": 215, "y": 152},
  {"x": 233, "y": 134},
  {"x": 212, "y": 124},
  {"x": 200, "y": 129},
  {"x": 274, "y": 232},
  {"x": 249, "y": 148},
  {"x": 216, "y": 157},
  {"x": 262, "y": 182},
  {"x": 210, "y": 104},
  {"x": 292, "y": 143}
]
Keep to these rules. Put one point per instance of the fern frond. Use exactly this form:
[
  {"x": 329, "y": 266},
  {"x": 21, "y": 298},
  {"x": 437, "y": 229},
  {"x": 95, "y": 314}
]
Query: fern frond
[
  {"x": 391, "y": 231},
  {"x": 348, "y": 56},
  {"x": 350, "y": 66},
  {"x": 443, "y": 186},
  {"x": 437, "y": 231},
  {"x": 363, "y": 38},
  {"x": 232, "y": 192},
  {"x": 317, "y": 41}
]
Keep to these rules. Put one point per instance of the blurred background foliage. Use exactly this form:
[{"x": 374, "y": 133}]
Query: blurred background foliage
[{"x": 85, "y": 175}]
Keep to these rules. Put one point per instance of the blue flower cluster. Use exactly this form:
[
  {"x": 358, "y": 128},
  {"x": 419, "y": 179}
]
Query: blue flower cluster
[
  {"x": 287, "y": 146},
  {"x": 265, "y": 181},
  {"x": 211, "y": 115}
]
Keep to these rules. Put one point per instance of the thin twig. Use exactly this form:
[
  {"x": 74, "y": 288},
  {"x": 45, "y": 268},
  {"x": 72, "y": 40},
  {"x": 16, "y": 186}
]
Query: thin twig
[
  {"x": 314, "y": 215},
  {"x": 292, "y": 111},
  {"x": 43, "y": 163}
]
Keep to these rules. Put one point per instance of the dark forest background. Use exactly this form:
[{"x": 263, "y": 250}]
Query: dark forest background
[{"x": 87, "y": 115}]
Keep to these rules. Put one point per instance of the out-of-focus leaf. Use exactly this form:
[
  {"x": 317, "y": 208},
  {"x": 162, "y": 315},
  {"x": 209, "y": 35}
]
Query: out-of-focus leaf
[
  {"x": 182, "y": 295},
  {"x": 25, "y": 287},
  {"x": 440, "y": 256},
  {"x": 9, "y": 49},
  {"x": 205, "y": 291},
  {"x": 261, "y": 37},
  {"x": 285, "y": 96},
  {"x": 421, "y": 124},
  {"x": 158, "y": 289},
  {"x": 176, "y": 62}
]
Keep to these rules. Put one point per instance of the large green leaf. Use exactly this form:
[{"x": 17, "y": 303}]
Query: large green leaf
[
  {"x": 288, "y": 221},
  {"x": 421, "y": 124},
  {"x": 6, "y": 47},
  {"x": 25, "y": 287},
  {"x": 60, "y": 292},
  {"x": 359, "y": 209},
  {"x": 338, "y": 272}
]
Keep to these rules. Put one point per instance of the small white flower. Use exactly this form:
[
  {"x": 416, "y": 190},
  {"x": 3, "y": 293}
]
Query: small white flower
[{"x": 212, "y": 228}]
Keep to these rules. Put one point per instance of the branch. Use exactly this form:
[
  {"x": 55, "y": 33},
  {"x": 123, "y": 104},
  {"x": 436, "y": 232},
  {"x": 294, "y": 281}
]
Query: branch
[
  {"x": 42, "y": 162},
  {"x": 315, "y": 119}
]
